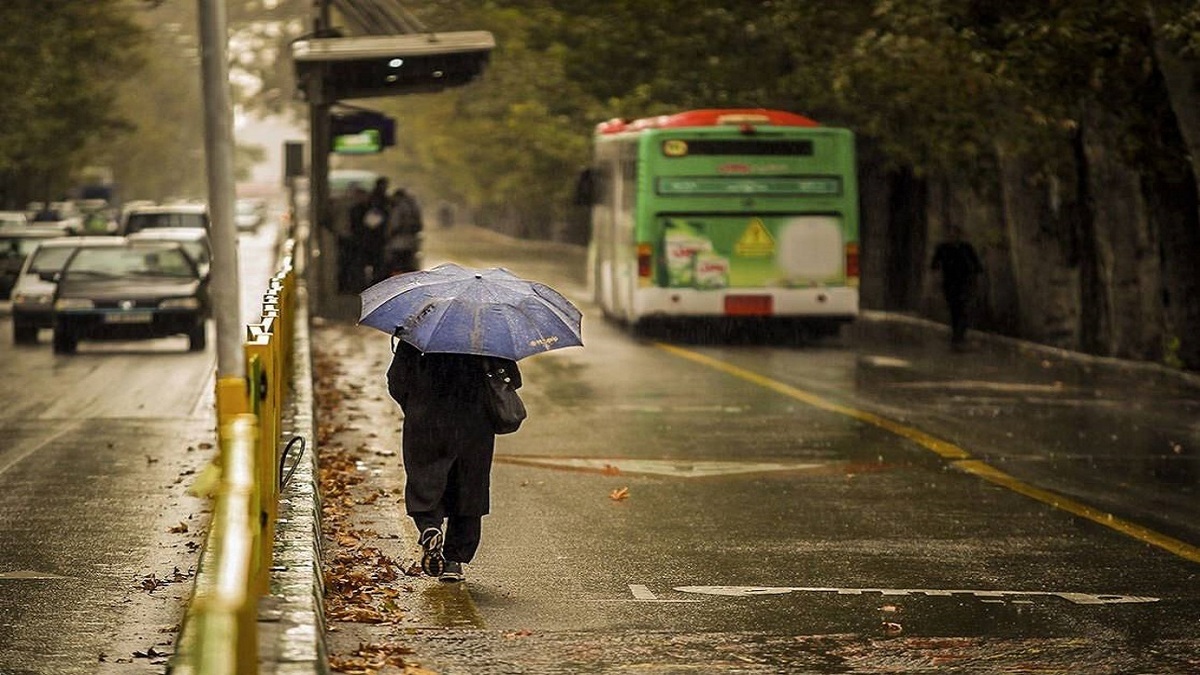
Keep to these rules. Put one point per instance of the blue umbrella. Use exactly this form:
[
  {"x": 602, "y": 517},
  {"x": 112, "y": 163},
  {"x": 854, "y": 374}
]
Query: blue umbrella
[{"x": 460, "y": 310}]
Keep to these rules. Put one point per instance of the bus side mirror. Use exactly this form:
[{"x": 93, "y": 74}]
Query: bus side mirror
[{"x": 584, "y": 189}]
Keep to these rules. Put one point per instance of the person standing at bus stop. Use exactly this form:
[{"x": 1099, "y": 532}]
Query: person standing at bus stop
[
  {"x": 368, "y": 226},
  {"x": 959, "y": 266},
  {"x": 404, "y": 233}
]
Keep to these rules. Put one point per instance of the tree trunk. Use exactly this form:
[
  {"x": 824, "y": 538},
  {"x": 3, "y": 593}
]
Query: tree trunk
[
  {"x": 1122, "y": 279},
  {"x": 874, "y": 230},
  {"x": 906, "y": 235},
  {"x": 1046, "y": 281},
  {"x": 1170, "y": 188}
]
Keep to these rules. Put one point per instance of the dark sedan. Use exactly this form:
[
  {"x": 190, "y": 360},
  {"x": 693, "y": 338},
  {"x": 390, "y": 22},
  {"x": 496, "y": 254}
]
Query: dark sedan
[{"x": 141, "y": 290}]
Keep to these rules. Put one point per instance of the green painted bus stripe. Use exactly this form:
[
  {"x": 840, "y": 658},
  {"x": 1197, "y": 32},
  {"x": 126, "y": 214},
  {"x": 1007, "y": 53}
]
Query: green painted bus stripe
[{"x": 960, "y": 459}]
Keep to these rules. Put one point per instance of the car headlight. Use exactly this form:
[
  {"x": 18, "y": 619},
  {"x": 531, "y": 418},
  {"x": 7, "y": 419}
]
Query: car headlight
[
  {"x": 179, "y": 303},
  {"x": 68, "y": 304}
]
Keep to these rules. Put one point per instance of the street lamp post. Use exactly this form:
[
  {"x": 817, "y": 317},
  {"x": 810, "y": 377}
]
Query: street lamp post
[{"x": 218, "y": 145}]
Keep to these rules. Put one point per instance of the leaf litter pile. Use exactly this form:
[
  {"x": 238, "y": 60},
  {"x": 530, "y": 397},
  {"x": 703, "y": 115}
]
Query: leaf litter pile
[{"x": 362, "y": 584}]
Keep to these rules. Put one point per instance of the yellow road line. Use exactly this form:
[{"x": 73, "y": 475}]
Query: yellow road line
[{"x": 946, "y": 450}]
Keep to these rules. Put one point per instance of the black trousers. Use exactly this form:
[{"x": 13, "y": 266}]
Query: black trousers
[
  {"x": 462, "y": 533},
  {"x": 957, "y": 299},
  {"x": 349, "y": 266}
]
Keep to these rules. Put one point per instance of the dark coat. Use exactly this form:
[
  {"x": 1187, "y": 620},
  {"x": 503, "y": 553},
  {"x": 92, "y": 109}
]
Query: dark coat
[
  {"x": 447, "y": 441},
  {"x": 959, "y": 265}
]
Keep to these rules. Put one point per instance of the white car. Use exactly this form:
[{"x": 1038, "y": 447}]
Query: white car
[
  {"x": 33, "y": 292},
  {"x": 193, "y": 239},
  {"x": 249, "y": 214},
  {"x": 13, "y": 219},
  {"x": 140, "y": 218}
]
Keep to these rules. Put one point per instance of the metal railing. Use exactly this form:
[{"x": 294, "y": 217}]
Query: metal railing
[{"x": 219, "y": 632}]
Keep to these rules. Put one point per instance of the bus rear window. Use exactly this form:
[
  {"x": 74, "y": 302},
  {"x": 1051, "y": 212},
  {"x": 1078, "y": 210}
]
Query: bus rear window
[{"x": 756, "y": 147}]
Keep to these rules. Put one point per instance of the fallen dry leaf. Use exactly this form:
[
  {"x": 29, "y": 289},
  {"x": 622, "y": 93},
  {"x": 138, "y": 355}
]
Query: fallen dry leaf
[
  {"x": 179, "y": 529},
  {"x": 152, "y": 583},
  {"x": 619, "y": 494}
]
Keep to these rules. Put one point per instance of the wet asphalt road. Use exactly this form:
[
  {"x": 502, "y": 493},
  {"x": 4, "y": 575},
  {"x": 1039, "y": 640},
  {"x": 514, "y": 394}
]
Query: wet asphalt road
[
  {"x": 98, "y": 539},
  {"x": 849, "y": 506}
]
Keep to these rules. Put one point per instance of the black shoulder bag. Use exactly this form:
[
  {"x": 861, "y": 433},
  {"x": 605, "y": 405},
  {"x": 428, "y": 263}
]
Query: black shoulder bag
[{"x": 504, "y": 405}]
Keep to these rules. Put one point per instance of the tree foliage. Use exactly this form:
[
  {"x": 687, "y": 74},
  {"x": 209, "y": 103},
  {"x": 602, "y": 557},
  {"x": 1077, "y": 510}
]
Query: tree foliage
[
  {"x": 61, "y": 59},
  {"x": 939, "y": 85}
]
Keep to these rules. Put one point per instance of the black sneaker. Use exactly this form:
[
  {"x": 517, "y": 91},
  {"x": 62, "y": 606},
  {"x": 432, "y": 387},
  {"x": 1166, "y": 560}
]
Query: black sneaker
[
  {"x": 432, "y": 561},
  {"x": 453, "y": 573}
]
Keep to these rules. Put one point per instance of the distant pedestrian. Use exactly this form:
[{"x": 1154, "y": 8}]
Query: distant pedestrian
[
  {"x": 445, "y": 214},
  {"x": 448, "y": 443},
  {"x": 959, "y": 265},
  {"x": 350, "y": 259},
  {"x": 368, "y": 226},
  {"x": 404, "y": 233}
]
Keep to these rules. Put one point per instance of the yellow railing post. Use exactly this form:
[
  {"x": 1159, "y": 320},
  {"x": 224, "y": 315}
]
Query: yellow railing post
[
  {"x": 261, "y": 351},
  {"x": 220, "y": 633}
]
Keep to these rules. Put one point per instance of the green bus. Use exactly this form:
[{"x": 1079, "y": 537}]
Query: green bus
[{"x": 724, "y": 213}]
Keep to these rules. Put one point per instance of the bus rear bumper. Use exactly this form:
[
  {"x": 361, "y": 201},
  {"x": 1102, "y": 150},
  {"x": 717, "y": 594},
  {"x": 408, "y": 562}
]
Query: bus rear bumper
[{"x": 838, "y": 304}]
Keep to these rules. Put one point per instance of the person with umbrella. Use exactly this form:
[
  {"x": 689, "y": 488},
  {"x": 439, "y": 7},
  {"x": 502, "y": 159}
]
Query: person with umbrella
[{"x": 455, "y": 330}]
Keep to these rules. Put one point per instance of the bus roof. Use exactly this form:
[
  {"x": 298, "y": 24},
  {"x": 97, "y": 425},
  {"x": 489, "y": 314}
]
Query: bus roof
[{"x": 707, "y": 118}]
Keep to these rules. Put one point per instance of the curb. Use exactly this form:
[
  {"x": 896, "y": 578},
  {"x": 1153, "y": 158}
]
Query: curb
[{"x": 292, "y": 615}]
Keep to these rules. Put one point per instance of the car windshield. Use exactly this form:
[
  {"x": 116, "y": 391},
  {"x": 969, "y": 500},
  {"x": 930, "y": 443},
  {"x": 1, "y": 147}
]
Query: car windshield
[
  {"x": 144, "y": 221},
  {"x": 197, "y": 250},
  {"x": 50, "y": 259},
  {"x": 27, "y": 246},
  {"x": 126, "y": 262}
]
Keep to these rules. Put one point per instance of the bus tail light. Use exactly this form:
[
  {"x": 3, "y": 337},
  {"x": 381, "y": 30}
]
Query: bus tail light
[
  {"x": 852, "y": 260},
  {"x": 644, "y": 261}
]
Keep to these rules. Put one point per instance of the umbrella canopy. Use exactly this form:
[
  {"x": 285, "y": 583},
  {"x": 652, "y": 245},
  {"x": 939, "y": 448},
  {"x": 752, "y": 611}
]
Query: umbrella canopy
[{"x": 456, "y": 309}]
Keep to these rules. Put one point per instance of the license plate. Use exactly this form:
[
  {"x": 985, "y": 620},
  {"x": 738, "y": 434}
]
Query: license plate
[
  {"x": 129, "y": 317},
  {"x": 748, "y": 305}
]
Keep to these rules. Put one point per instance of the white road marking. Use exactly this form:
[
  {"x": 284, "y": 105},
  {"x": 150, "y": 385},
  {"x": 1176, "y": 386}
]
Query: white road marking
[
  {"x": 661, "y": 467},
  {"x": 987, "y": 595},
  {"x": 677, "y": 408},
  {"x": 886, "y": 362},
  {"x": 1014, "y": 387},
  {"x": 640, "y": 592}
]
